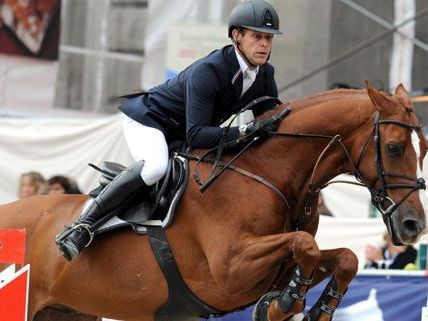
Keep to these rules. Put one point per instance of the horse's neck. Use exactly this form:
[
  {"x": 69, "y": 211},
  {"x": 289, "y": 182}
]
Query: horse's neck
[{"x": 289, "y": 162}]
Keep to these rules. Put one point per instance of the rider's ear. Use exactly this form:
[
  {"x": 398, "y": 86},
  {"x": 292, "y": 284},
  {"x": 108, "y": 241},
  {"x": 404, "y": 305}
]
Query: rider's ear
[
  {"x": 379, "y": 99},
  {"x": 403, "y": 97},
  {"x": 235, "y": 34}
]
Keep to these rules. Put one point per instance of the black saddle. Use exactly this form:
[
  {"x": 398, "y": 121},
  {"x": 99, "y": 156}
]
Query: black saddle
[{"x": 155, "y": 207}]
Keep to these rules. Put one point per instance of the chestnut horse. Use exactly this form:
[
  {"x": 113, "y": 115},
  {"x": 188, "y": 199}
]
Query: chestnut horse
[{"x": 238, "y": 241}]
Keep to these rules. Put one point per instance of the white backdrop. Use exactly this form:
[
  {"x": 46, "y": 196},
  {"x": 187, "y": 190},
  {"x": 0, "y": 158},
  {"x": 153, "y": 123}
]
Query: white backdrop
[
  {"x": 58, "y": 146},
  {"x": 26, "y": 83}
]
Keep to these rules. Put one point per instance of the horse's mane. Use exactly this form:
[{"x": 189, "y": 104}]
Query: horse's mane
[
  {"x": 310, "y": 101},
  {"x": 329, "y": 95}
]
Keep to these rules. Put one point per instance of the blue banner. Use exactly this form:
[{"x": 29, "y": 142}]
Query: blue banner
[{"x": 370, "y": 298}]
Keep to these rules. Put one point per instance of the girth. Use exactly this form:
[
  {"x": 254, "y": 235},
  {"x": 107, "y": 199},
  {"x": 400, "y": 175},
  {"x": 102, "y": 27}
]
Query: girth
[{"x": 182, "y": 304}]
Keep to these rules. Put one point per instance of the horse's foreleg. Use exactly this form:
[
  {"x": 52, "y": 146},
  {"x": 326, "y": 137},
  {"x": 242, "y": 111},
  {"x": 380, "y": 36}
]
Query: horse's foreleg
[
  {"x": 292, "y": 300},
  {"x": 342, "y": 265},
  {"x": 258, "y": 258},
  {"x": 253, "y": 263}
]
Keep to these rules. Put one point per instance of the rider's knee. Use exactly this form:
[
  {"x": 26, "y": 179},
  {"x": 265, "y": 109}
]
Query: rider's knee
[{"x": 152, "y": 172}]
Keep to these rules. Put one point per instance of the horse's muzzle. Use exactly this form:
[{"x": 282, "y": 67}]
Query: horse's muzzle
[{"x": 408, "y": 224}]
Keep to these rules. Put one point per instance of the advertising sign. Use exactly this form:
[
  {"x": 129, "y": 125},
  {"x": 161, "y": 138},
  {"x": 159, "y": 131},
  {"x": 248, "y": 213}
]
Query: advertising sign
[{"x": 187, "y": 43}]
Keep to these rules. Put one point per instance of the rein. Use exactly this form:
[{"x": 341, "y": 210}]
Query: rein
[
  {"x": 241, "y": 171},
  {"x": 312, "y": 190}
]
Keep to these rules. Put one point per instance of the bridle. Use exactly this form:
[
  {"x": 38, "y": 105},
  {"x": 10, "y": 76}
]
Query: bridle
[{"x": 379, "y": 196}]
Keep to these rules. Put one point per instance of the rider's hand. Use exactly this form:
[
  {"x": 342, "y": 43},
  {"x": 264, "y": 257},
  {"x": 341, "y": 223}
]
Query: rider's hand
[{"x": 259, "y": 128}]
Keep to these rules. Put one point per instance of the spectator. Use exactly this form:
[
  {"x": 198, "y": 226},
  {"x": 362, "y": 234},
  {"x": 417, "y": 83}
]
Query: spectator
[
  {"x": 60, "y": 184},
  {"x": 389, "y": 256},
  {"x": 31, "y": 183}
]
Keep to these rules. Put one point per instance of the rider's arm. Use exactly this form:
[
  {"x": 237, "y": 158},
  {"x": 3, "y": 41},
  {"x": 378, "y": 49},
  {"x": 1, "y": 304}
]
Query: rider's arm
[
  {"x": 202, "y": 90},
  {"x": 271, "y": 90}
]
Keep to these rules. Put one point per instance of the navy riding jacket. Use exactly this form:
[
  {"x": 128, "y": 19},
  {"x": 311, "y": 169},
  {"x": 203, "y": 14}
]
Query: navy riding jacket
[{"x": 193, "y": 104}]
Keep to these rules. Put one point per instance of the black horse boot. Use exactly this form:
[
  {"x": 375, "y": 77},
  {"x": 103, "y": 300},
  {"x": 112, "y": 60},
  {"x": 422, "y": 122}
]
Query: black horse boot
[{"x": 95, "y": 212}]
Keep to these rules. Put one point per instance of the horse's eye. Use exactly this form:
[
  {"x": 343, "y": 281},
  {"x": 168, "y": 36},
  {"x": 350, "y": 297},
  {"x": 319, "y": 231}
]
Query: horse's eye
[{"x": 394, "y": 150}]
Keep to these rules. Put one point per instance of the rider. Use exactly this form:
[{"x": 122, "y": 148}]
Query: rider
[{"x": 190, "y": 107}]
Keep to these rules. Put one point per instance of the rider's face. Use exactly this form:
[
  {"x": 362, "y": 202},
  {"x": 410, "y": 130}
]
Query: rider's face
[{"x": 255, "y": 45}]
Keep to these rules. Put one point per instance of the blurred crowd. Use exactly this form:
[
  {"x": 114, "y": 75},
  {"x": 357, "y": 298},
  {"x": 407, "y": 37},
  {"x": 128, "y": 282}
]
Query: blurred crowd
[
  {"x": 33, "y": 183},
  {"x": 390, "y": 256}
]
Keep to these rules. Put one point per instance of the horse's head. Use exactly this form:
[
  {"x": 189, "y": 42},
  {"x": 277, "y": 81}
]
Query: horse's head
[{"x": 387, "y": 162}]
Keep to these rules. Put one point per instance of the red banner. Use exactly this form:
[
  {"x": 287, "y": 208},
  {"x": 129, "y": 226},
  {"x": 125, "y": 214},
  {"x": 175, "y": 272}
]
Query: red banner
[
  {"x": 12, "y": 246},
  {"x": 30, "y": 27}
]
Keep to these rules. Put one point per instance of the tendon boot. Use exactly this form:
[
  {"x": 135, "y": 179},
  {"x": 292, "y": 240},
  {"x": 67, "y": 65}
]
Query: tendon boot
[{"x": 95, "y": 212}]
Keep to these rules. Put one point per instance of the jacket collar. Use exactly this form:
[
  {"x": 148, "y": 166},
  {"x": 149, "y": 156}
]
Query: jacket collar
[
  {"x": 235, "y": 72},
  {"x": 243, "y": 64}
]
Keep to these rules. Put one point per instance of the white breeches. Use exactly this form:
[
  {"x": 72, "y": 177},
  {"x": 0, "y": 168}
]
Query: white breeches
[{"x": 148, "y": 144}]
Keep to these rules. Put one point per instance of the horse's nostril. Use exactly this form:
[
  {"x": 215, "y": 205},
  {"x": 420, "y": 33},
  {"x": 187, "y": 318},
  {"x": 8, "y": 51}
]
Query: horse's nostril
[{"x": 411, "y": 226}]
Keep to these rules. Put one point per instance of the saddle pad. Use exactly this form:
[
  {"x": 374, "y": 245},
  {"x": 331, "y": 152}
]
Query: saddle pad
[{"x": 163, "y": 202}]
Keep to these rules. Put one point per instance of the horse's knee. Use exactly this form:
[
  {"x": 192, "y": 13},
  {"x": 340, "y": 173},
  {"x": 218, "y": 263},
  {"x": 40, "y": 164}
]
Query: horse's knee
[
  {"x": 347, "y": 265},
  {"x": 305, "y": 247}
]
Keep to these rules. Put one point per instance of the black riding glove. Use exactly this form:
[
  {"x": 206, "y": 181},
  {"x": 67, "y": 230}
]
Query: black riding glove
[{"x": 259, "y": 128}]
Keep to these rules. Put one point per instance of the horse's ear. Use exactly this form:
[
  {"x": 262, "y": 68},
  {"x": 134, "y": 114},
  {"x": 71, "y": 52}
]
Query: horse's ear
[
  {"x": 423, "y": 147},
  {"x": 379, "y": 99},
  {"x": 403, "y": 96},
  {"x": 401, "y": 91}
]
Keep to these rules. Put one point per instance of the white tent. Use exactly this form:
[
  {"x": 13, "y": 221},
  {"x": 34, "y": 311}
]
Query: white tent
[{"x": 58, "y": 146}]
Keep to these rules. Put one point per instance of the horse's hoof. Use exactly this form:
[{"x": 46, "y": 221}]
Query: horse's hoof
[{"x": 261, "y": 307}]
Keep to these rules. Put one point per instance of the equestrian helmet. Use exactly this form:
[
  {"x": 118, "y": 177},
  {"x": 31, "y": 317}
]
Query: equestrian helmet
[{"x": 257, "y": 15}]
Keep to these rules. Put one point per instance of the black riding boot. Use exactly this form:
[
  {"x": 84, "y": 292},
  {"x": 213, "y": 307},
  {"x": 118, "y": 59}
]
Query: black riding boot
[{"x": 74, "y": 238}]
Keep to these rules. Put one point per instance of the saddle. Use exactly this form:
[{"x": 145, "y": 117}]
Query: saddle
[{"x": 155, "y": 207}]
